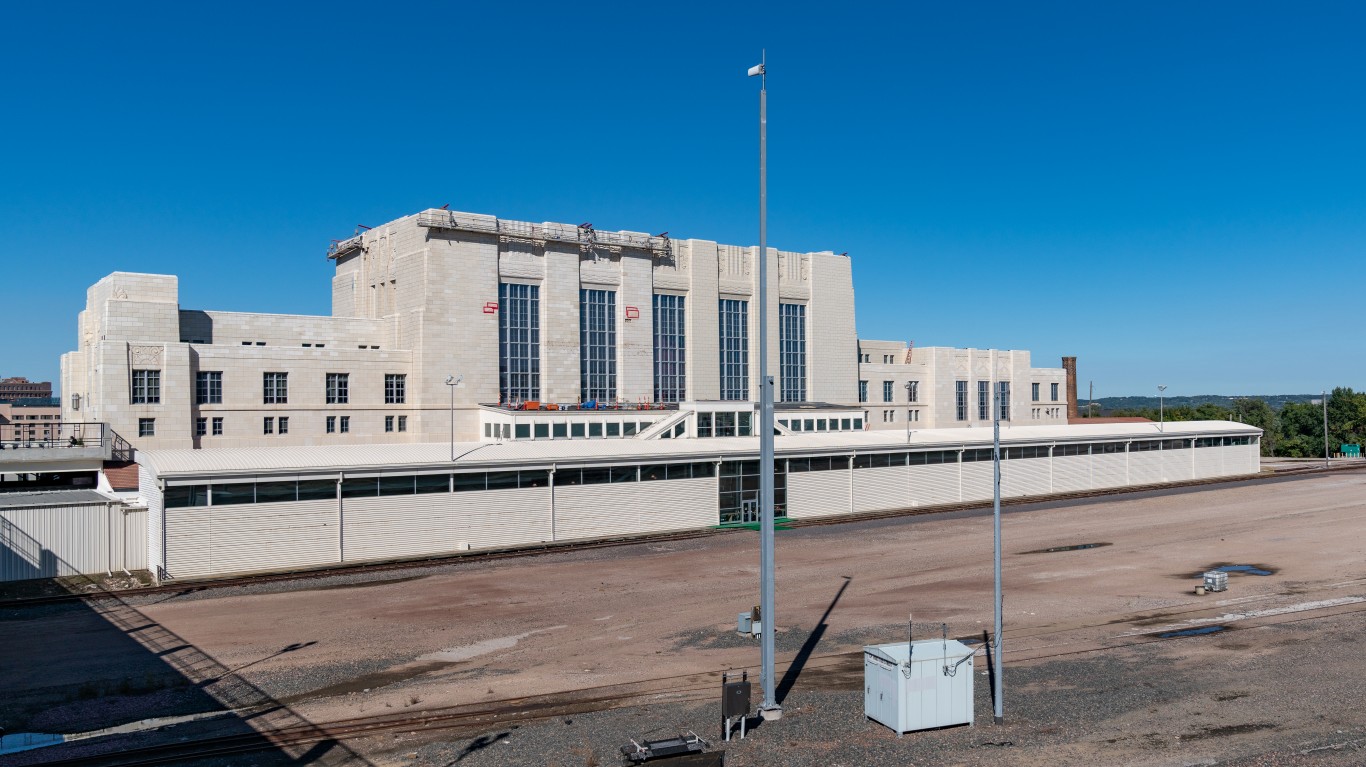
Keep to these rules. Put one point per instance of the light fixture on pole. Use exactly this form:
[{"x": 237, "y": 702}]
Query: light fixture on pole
[
  {"x": 452, "y": 382},
  {"x": 1161, "y": 413},
  {"x": 769, "y": 708},
  {"x": 998, "y": 687}
]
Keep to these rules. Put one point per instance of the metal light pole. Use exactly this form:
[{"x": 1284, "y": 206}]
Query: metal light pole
[
  {"x": 452, "y": 382},
  {"x": 1325, "y": 428},
  {"x": 998, "y": 688},
  {"x": 769, "y": 708},
  {"x": 1161, "y": 413},
  {"x": 908, "y": 411}
]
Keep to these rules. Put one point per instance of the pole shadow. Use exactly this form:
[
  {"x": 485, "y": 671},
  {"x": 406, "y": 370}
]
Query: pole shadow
[{"x": 794, "y": 669}]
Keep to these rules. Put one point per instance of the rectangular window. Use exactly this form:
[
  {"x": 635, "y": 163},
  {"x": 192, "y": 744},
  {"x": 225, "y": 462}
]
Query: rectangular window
[
  {"x": 1053, "y": 390},
  {"x": 792, "y": 352},
  {"x": 284, "y": 425},
  {"x": 201, "y": 427},
  {"x": 395, "y": 388},
  {"x": 345, "y": 424},
  {"x": 146, "y": 387},
  {"x": 403, "y": 423},
  {"x": 147, "y": 427},
  {"x": 912, "y": 391},
  {"x": 598, "y": 345},
  {"x": 1003, "y": 394},
  {"x": 388, "y": 423},
  {"x": 331, "y": 424},
  {"x": 984, "y": 400},
  {"x": 218, "y": 427},
  {"x": 670, "y": 349},
  {"x": 1034, "y": 391},
  {"x": 960, "y": 395},
  {"x": 338, "y": 388},
  {"x": 862, "y": 391},
  {"x": 276, "y": 388},
  {"x": 208, "y": 387},
  {"x": 734, "y": 329},
  {"x": 887, "y": 391},
  {"x": 519, "y": 342},
  {"x": 268, "y": 426}
]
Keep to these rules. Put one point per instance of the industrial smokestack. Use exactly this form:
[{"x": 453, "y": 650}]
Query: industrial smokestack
[{"x": 1069, "y": 364}]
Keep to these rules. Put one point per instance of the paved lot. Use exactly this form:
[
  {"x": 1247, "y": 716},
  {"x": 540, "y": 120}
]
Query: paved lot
[{"x": 1087, "y": 681}]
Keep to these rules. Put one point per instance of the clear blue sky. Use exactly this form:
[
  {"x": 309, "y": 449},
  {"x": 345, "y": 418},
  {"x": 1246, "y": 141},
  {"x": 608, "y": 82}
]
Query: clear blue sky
[{"x": 1173, "y": 192}]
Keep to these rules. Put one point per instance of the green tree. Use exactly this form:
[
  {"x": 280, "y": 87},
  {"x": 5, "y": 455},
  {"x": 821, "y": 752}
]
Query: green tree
[{"x": 1255, "y": 412}]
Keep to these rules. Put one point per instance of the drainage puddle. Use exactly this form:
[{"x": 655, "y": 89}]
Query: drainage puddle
[
  {"x": 1192, "y": 632},
  {"x": 1243, "y": 569},
  {"x": 1076, "y": 547}
]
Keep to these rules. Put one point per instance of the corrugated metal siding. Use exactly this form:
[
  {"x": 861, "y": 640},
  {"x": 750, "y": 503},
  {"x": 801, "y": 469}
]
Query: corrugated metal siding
[
  {"x": 1071, "y": 473},
  {"x": 53, "y": 541},
  {"x": 495, "y": 518},
  {"x": 134, "y": 538},
  {"x": 1107, "y": 470},
  {"x": 188, "y": 549},
  {"x": 1024, "y": 476},
  {"x": 388, "y": 527},
  {"x": 627, "y": 508},
  {"x": 1176, "y": 465},
  {"x": 938, "y": 483},
  {"x": 882, "y": 488},
  {"x": 1145, "y": 467},
  {"x": 270, "y": 536},
  {"x": 150, "y": 492},
  {"x": 817, "y": 493},
  {"x": 977, "y": 479},
  {"x": 1208, "y": 462}
]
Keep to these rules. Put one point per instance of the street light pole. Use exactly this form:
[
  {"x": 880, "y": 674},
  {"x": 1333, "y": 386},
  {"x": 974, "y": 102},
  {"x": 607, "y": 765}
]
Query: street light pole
[
  {"x": 452, "y": 382},
  {"x": 1161, "y": 413},
  {"x": 909, "y": 390},
  {"x": 769, "y": 708},
  {"x": 998, "y": 686}
]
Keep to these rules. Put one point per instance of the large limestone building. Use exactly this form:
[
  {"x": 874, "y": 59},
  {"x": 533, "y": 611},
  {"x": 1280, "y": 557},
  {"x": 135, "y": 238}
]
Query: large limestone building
[{"x": 520, "y": 313}]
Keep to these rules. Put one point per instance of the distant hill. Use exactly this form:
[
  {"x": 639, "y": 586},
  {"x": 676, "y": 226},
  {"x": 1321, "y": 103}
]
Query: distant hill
[{"x": 1276, "y": 401}]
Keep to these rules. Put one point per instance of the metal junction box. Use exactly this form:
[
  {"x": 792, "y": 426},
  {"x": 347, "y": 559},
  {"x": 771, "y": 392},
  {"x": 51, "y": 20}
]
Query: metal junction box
[{"x": 918, "y": 686}]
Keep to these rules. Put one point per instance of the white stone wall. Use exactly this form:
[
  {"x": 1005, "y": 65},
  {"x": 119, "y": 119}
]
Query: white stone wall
[{"x": 937, "y": 369}]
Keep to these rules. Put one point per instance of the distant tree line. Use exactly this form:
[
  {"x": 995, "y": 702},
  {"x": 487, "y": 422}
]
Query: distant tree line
[{"x": 1293, "y": 430}]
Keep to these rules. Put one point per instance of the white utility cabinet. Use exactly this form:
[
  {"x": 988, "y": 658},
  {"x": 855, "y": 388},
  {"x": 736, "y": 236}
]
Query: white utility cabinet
[{"x": 916, "y": 686}]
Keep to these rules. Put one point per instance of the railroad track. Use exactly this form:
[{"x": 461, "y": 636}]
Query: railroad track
[
  {"x": 190, "y": 587},
  {"x": 470, "y": 719}
]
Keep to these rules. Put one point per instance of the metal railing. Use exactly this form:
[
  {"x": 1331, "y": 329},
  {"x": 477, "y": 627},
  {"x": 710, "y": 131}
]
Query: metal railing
[
  {"x": 65, "y": 435},
  {"x": 585, "y": 237}
]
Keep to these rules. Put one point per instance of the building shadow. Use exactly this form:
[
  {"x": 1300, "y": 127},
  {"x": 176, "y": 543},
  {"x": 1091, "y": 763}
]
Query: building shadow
[
  {"x": 794, "y": 669},
  {"x": 99, "y": 662}
]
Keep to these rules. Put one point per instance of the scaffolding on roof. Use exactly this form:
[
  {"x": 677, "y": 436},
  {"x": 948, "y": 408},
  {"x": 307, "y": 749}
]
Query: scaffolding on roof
[{"x": 588, "y": 239}]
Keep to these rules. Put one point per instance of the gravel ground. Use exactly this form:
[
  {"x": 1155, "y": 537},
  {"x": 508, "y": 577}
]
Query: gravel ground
[{"x": 345, "y": 645}]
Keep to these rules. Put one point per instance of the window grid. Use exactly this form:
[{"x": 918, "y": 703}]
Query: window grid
[
  {"x": 208, "y": 387},
  {"x": 792, "y": 352},
  {"x": 734, "y": 327},
  {"x": 147, "y": 427},
  {"x": 276, "y": 388},
  {"x": 218, "y": 427},
  {"x": 1003, "y": 391},
  {"x": 146, "y": 387},
  {"x": 912, "y": 391},
  {"x": 670, "y": 348},
  {"x": 201, "y": 427},
  {"x": 284, "y": 424},
  {"x": 338, "y": 388},
  {"x": 395, "y": 388},
  {"x": 862, "y": 391},
  {"x": 519, "y": 342},
  {"x": 1053, "y": 390},
  {"x": 1034, "y": 391},
  {"x": 887, "y": 391},
  {"x": 960, "y": 391},
  {"x": 984, "y": 400},
  {"x": 345, "y": 424},
  {"x": 598, "y": 345}
]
